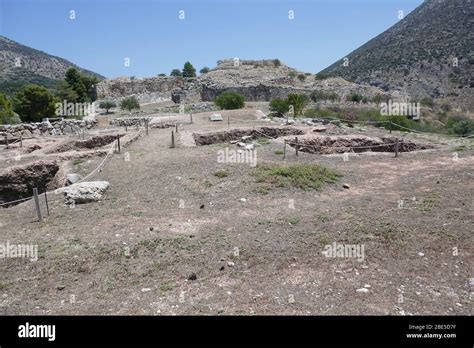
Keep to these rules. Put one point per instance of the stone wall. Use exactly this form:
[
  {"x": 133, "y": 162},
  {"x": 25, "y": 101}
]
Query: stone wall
[{"x": 27, "y": 130}]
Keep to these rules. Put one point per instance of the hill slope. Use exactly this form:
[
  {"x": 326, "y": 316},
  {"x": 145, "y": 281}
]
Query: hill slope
[
  {"x": 20, "y": 65},
  {"x": 418, "y": 54}
]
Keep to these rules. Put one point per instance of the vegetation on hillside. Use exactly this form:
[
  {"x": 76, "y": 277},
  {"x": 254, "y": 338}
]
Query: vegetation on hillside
[{"x": 230, "y": 101}]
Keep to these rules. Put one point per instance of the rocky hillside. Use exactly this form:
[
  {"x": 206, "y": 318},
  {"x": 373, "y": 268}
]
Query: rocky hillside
[
  {"x": 257, "y": 80},
  {"x": 20, "y": 65},
  {"x": 428, "y": 53}
]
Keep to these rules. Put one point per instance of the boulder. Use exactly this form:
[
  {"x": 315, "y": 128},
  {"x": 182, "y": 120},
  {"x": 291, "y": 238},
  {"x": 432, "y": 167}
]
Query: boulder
[
  {"x": 85, "y": 192},
  {"x": 215, "y": 117},
  {"x": 73, "y": 178}
]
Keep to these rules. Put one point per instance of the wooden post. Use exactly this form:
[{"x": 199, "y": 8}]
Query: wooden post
[
  {"x": 396, "y": 148},
  {"x": 146, "y": 127},
  {"x": 172, "y": 139},
  {"x": 284, "y": 149},
  {"x": 390, "y": 127},
  {"x": 46, "y": 200},
  {"x": 118, "y": 143},
  {"x": 21, "y": 140},
  {"x": 228, "y": 121},
  {"x": 6, "y": 140},
  {"x": 126, "y": 128},
  {"x": 191, "y": 115},
  {"x": 38, "y": 209},
  {"x": 176, "y": 127},
  {"x": 296, "y": 146}
]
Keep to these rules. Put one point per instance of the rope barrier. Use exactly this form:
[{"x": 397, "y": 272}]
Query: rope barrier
[
  {"x": 109, "y": 153},
  {"x": 18, "y": 200}
]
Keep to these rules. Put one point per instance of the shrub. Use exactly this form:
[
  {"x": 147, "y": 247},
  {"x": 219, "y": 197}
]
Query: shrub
[
  {"x": 322, "y": 95},
  {"x": 460, "y": 126},
  {"x": 292, "y": 74},
  {"x": 319, "y": 113},
  {"x": 107, "y": 105},
  {"x": 321, "y": 76},
  {"x": 129, "y": 104},
  {"x": 427, "y": 101},
  {"x": 276, "y": 62},
  {"x": 380, "y": 98},
  {"x": 279, "y": 106},
  {"x": 176, "y": 73},
  {"x": 354, "y": 97},
  {"x": 6, "y": 110},
  {"x": 230, "y": 101},
  {"x": 301, "y": 77},
  {"x": 298, "y": 101},
  {"x": 204, "y": 70}
]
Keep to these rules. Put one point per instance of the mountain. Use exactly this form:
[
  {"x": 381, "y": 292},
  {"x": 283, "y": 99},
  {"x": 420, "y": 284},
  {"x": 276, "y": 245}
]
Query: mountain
[
  {"x": 428, "y": 53},
  {"x": 21, "y": 65}
]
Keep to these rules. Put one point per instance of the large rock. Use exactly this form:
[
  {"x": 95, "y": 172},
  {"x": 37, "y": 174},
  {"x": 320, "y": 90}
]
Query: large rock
[
  {"x": 73, "y": 178},
  {"x": 85, "y": 192}
]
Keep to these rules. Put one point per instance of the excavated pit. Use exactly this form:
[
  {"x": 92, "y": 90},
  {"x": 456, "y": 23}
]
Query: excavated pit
[
  {"x": 92, "y": 143},
  {"x": 237, "y": 134},
  {"x": 18, "y": 182},
  {"x": 342, "y": 144}
]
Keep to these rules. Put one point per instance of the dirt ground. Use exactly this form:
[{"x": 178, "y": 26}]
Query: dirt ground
[{"x": 170, "y": 237}]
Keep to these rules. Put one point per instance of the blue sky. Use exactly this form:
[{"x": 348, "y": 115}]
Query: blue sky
[{"x": 151, "y": 35}]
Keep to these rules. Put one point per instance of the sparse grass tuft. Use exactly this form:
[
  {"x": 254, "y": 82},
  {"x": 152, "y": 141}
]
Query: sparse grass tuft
[
  {"x": 78, "y": 161},
  {"x": 279, "y": 152},
  {"x": 323, "y": 217},
  {"x": 293, "y": 220},
  {"x": 263, "y": 141},
  {"x": 167, "y": 286},
  {"x": 221, "y": 173},
  {"x": 429, "y": 202},
  {"x": 303, "y": 176}
]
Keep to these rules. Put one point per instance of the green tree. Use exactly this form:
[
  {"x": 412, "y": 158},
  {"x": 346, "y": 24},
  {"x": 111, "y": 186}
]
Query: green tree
[
  {"x": 33, "y": 103},
  {"x": 107, "y": 105},
  {"x": 301, "y": 77},
  {"x": 89, "y": 83},
  {"x": 129, "y": 104},
  {"x": 176, "y": 72},
  {"x": 6, "y": 110},
  {"x": 230, "y": 101},
  {"x": 75, "y": 80},
  {"x": 204, "y": 70},
  {"x": 64, "y": 91},
  {"x": 161, "y": 75},
  {"x": 279, "y": 106},
  {"x": 298, "y": 101},
  {"x": 188, "y": 70}
]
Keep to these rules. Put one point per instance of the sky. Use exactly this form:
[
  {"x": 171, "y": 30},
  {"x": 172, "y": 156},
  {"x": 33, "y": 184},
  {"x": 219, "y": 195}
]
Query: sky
[{"x": 103, "y": 35}]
